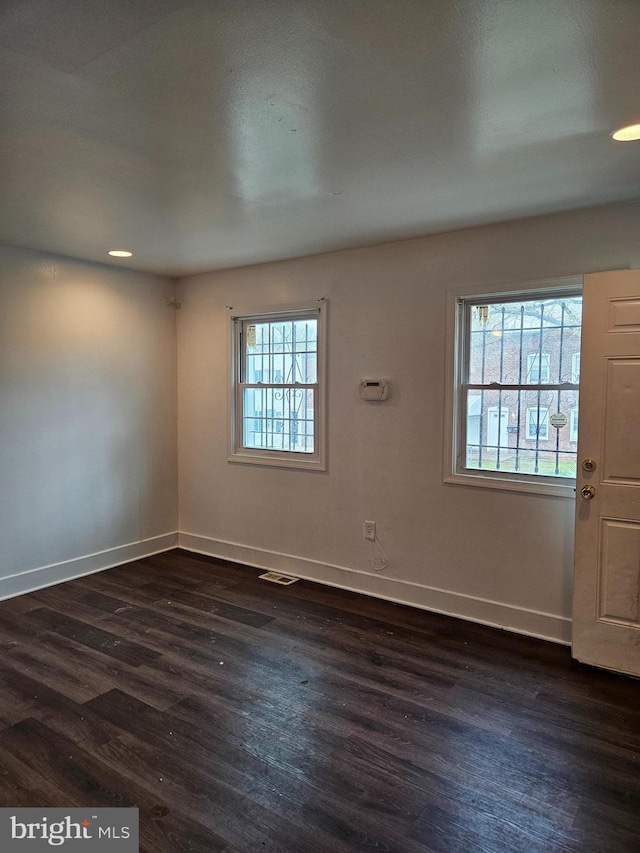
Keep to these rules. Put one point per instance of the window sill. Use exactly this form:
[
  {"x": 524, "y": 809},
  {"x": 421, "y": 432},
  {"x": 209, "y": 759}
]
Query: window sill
[
  {"x": 539, "y": 486},
  {"x": 274, "y": 460}
]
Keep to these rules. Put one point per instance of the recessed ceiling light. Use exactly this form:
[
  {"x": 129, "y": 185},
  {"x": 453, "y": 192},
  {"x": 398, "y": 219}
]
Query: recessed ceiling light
[
  {"x": 120, "y": 253},
  {"x": 628, "y": 133}
]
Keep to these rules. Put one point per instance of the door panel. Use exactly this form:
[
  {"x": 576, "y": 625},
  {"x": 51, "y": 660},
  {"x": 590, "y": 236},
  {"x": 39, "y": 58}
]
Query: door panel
[
  {"x": 618, "y": 571},
  {"x": 620, "y": 445},
  {"x": 606, "y": 615},
  {"x": 624, "y": 315}
]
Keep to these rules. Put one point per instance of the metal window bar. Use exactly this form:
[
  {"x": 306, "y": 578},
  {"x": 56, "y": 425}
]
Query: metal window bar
[
  {"x": 517, "y": 465},
  {"x": 287, "y": 428},
  {"x": 482, "y": 376},
  {"x": 294, "y": 425},
  {"x": 558, "y": 396},
  {"x": 537, "y": 462},
  {"x": 500, "y": 391},
  {"x": 538, "y": 452}
]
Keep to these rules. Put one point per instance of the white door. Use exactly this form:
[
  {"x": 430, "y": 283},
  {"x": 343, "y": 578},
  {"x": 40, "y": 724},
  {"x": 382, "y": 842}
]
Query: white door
[
  {"x": 497, "y": 435},
  {"x": 606, "y": 613}
]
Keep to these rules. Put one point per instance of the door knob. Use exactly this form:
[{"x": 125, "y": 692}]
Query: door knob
[
  {"x": 589, "y": 465},
  {"x": 587, "y": 492}
]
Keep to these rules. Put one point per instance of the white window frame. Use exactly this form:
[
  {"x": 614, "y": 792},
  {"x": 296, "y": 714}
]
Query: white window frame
[
  {"x": 503, "y": 441},
  {"x": 573, "y": 424},
  {"x": 575, "y": 367},
  {"x": 453, "y": 471},
  {"x": 543, "y": 359},
  {"x": 238, "y": 453},
  {"x": 537, "y": 416}
]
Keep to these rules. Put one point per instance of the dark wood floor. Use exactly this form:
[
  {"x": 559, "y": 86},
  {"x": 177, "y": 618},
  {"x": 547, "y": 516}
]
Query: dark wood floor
[{"x": 241, "y": 716}]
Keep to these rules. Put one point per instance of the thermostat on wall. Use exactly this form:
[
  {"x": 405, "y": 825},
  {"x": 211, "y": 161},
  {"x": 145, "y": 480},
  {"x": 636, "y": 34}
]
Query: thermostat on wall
[{"x": 374, "y": 389}]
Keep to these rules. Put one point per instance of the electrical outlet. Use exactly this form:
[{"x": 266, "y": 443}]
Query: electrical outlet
[{"x": 369, "y": 530}]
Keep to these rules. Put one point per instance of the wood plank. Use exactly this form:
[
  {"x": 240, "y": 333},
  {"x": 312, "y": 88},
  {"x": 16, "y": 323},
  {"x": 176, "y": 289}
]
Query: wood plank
[
  {"x": 17, "y": 605},
  {"x": 222, "y": 609},
  {"x": 242, "y": 716},
  {"x": 104, "y": 642},
  {"x": 87, "y": 779},
  {"x": 81, "y": 673}
]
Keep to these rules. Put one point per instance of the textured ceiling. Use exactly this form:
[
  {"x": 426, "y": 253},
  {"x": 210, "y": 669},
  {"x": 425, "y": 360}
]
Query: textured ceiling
[{"x": 212, "y": 134}]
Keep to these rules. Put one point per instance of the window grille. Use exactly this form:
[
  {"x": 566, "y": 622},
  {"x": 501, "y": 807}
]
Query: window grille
[
  {"x": 277, "y": 388},
  {"x": 519, "y": 365}
]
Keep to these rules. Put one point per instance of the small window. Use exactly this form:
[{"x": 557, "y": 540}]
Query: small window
[
  {"x": 537, "y": 424},
  {"x": 515, "y": 393},
  {"x": 573, "y": 425},
  {"x": 575, "y": 368},
  {"x": 538, "y": 365},
  {"x": 278, "y": 388}
]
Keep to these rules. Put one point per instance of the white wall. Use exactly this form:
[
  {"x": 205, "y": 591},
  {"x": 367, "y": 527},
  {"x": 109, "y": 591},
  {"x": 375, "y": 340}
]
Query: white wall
[
  {"x": 495, "y": 556},
  {"x": 88, "y": 472}
]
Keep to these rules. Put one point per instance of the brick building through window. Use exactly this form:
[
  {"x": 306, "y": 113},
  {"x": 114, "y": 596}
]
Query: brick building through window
[{"x": 520, "y": 387}]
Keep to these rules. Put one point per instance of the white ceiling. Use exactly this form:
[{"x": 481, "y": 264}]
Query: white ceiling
[{"x": 212, "y": 134}]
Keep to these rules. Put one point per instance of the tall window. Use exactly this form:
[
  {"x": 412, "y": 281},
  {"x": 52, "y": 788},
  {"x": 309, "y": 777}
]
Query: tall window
[
  {"x": 517, "y": 394},
  {"x": 573, "y": 425},
  {"x": 575, "y": 367},
  {"x": 278, "y": 362}
]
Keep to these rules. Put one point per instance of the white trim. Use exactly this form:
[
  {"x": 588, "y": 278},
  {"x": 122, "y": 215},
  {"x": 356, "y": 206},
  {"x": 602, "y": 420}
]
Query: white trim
[
  {"x": 498, "y": 480},
  {"x": 38, "y": 578},
  {"x": 452, "y": 444},
  {"x": 514, "y": 289},
  {"x": 316, "y": 461},
  {"x": 246, "y": 311},
  {"x": 300, "y": 461},
  {"x": 521, "y": 620}
]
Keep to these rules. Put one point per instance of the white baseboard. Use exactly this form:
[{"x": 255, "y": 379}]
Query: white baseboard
[
  {"x": 34, "y": 579},
  {"x": 533, "y": 623}
]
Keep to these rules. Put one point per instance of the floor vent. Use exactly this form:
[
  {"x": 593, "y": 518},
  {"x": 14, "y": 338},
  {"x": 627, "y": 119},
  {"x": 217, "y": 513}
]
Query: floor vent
[{"x": 274, "y": 577}]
